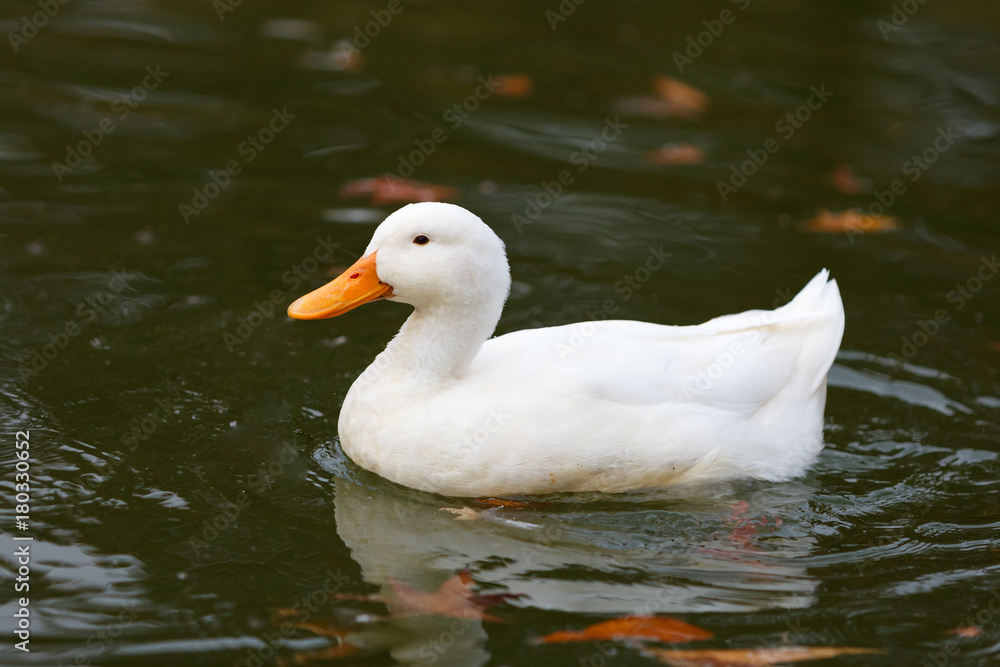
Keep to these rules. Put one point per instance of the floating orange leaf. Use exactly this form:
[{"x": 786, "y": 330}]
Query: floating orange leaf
[
  {"x": 853, "y": 220},
  {"x": 845, "y": 181},
  {"x": 513, "y": 85},
  {"x": 968, "y": 631},
  {"x": 648, "y": 628},
  {"x": 394, "y": 190},
  {"x": 675, "y": 154},
  {"x": 755, "y": 657},
  {"x": 685, "y": 101}
]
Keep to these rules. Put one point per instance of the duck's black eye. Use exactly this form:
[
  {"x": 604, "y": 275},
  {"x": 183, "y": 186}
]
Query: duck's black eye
[{"x": 420, "y": 239}]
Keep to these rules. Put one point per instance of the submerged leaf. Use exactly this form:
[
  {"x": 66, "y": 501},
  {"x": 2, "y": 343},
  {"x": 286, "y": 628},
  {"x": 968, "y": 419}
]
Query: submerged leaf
[
  {"x": 649, "y": 628},
  {"x": 513, "y": 85},
  {"x": 968, "y": 631},
  {"x": 675, "y": 154},
  {"x": 685, "y": 101},
  {"x": 507, "y": 503},
  {"x": 852, "y": 220},
  {"x": 342, "y": 56},
  {"x": 321, "y": 628},
  {"x": 393, "y": 190},
  {"x": 454, "y": 599},
  {"x": 754, "y": 657},
  {"x": 745, "y": 527},
  {"x": 846, "y": 182},
  {"x": 647, "y": 106},
  {"x": 339, "y": 650}
]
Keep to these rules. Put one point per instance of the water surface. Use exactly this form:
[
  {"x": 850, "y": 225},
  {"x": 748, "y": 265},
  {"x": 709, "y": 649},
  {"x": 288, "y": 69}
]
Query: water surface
[{"x": 189, "y": 499}]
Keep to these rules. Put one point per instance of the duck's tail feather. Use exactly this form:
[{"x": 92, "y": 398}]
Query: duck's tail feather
[{"x": 819, "y": 301}]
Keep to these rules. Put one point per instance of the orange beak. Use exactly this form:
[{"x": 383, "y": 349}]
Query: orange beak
[{"x": 354, "y": 287}]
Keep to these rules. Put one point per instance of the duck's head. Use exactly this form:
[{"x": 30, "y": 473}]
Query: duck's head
[{"x": 426, "y": 255}]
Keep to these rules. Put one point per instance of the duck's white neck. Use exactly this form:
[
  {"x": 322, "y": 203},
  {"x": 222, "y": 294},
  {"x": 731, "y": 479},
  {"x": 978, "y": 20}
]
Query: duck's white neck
[{"x": 438, "y": 343}]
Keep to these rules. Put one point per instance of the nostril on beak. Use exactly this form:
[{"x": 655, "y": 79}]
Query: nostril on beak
[{"x": 356, "y": 275}]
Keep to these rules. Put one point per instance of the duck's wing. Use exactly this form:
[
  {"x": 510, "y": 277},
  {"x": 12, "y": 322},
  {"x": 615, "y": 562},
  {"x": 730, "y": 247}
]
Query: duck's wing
[{"x": 737, "y": 363}]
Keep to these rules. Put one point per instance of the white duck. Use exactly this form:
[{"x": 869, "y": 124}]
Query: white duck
[{"x": 598, "y": 406}]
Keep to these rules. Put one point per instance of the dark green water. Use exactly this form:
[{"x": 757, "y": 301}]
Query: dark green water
[{"x": 184, "y": 487}]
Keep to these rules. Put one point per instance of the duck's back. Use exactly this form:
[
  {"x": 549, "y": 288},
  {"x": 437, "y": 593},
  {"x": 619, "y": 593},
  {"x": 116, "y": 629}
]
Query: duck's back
[{"x": 739, "y": 395}]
